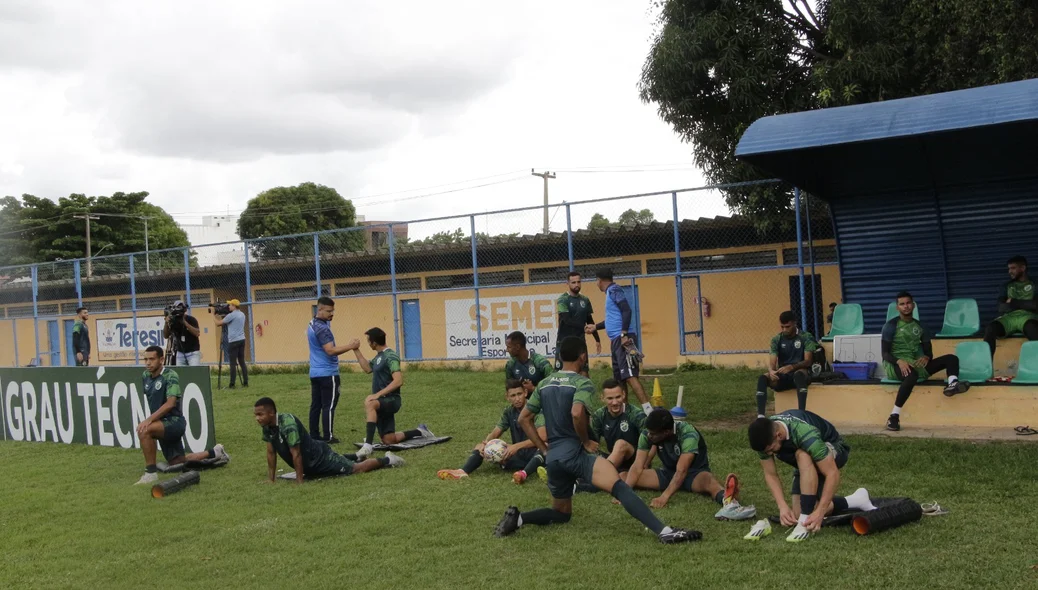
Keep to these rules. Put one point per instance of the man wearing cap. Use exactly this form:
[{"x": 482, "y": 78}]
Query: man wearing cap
[
  {"x": 235, "y": 326},
  {"x": 183, "y": 329}
]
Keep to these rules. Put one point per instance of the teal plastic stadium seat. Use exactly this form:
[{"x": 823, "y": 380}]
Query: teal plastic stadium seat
[
  {"x": 892, "y": 311},
  {"x": 847, "y": 321},
  {"x": 974, "y": 361},
  {"x": 1027, "y": 371},
  {"x": 961, "y": 319}
]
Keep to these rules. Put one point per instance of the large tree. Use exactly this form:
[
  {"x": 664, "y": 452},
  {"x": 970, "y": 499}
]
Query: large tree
[
  {"x": 716, "y": 66},
  {"x": 627, "y": 218},
  {"x": 308, "y": 207}
]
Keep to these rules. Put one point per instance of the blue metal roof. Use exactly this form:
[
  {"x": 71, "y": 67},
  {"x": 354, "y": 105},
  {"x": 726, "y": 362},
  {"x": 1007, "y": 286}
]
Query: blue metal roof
[{"x": 952, "y": 138}]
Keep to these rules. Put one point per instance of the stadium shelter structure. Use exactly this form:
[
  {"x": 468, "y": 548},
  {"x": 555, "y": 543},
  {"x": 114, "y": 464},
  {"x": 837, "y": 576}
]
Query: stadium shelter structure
[
  {"x": 725, "y": 260},
  {"x": 930, "y": 194}
]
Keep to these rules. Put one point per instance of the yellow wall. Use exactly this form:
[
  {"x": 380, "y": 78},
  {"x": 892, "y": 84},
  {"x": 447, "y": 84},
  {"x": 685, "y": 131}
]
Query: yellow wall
[{"x": 283, "y": 326}]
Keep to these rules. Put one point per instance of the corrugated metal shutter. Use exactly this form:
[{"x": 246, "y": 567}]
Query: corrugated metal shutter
[{"x": 889, "y": 243}]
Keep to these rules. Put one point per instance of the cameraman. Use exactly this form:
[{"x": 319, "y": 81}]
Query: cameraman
[
  {"x": 234, "y": 324},
  {"x": 183, "y": 328}
]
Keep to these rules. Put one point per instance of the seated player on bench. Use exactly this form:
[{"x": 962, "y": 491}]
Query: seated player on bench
[
  {"x": 686, "y": 466},
  {"x": 817, "y": 452},
  {"x": 166, "y": 424},
  {"x": 528, "y": 367},
  {"x": 619, "y": 423},
  {"x": 286, "y": 437},
  {"x": 908, "y": 357},
  {"x": 520, "y": 455},
  {"x": 1018, "y": 306},
  {"x": 792, "y": 353}
]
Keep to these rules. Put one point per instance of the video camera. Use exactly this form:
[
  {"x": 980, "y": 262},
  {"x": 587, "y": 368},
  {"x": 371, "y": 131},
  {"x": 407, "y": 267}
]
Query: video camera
[
  {"x": 175, "y": 311},
  {"x": 219, "y": 308}
]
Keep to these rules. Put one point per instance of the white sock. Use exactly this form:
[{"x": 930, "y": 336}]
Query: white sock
[
  {"x": 647, "y": 408},
  {"x": 666, "y": 530},
  {"x": 953, "y": 379},
  {"x": 896, "y": 411},
  {"x": 761, "y": 416},
  {"x": 860, "y": 500},
  {"x": 520, "y": 521},
  {"x": 802, "y": 519}
]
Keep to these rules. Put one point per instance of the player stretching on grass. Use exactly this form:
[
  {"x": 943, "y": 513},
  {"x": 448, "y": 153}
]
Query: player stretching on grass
[
  {"x": 564, "y": 398},
  {"x": 381, "y": 406},
  {"x": 309, "y": 457},
  {"x": 166, "y": 424},
  {"x": 619, "y": 423},
  {"x": 520, "y": 455},
  {"x": 686, "y": 467},
  {"x": 817, "y": 452},
  {"x": 530, "y": 368}
]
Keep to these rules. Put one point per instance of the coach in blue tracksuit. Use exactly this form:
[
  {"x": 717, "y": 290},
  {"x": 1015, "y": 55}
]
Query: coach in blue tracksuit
[
  {"x": 617, "y": 325},
  {"x": 324, "y": 370}
]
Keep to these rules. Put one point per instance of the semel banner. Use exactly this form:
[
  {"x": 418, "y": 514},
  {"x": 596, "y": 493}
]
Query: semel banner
[
  {"x": 97, "y": 405},
  {"x": 534, "y": 315}
]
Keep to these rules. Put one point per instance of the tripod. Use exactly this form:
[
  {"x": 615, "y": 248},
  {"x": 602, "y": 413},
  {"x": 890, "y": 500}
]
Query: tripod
[
  {"x": 219, "y": 362},
  {"x": 171, "y": 352}
]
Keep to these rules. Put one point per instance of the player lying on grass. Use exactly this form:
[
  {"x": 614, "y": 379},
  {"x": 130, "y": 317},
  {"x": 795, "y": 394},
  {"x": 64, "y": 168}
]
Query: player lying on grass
[
  {"x": 817, "y": 452},
  {"x": 309, "y": 457},
  {"x": 166, "y": 424},
  {"x": 686, "y": 466},
  {"x": 564, "y": 399},
  {"x": 619, "y": 423},
  {"x": 381, "y": 406},
  {"x": 520, "y": 455}
]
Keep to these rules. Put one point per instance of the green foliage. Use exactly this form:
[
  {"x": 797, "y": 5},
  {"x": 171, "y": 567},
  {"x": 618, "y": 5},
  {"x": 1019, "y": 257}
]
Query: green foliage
[
  {"x": 627, "y": 218},
  {"x": 305, "y": 208},
  {"x": 716, "y": 66},
  {"x": 458, "y": 236}
]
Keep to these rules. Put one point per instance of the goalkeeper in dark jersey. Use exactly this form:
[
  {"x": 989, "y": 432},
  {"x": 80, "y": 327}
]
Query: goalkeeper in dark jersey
[
  {"x": 1017, "y": 304},
  {"x": 575, "y": 314}
]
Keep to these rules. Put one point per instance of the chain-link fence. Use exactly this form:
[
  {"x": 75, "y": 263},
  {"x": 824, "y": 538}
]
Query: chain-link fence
[{"x": 446, "y": 289}]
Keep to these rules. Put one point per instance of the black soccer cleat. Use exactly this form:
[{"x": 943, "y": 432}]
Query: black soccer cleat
[
  {"x": 894, "y": 422},
  {"x": 509, "y": 523},
  {"x": 679, "y": 536},
  {"x": 957, "y": 388}
]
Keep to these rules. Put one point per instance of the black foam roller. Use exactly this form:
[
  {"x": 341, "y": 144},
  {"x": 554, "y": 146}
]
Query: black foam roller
[
  {"x": 888, "y": 517},
  {"x": 174, "y": 485}
]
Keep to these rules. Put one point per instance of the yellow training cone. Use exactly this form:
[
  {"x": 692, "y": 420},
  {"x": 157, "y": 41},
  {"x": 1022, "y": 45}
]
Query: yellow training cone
[{"x": 657, "y": 393}]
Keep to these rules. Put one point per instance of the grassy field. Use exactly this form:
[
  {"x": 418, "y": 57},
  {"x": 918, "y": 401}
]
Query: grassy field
[{"x": 70, "y": 518}]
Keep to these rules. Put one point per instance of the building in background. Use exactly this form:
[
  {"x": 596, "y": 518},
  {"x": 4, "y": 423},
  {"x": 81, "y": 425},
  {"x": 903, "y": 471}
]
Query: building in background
[
  {"x": 376, "y": 233},
  {"x": 217, "y": 230}
]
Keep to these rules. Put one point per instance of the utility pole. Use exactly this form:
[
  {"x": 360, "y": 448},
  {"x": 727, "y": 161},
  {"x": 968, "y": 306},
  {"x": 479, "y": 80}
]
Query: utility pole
[
  {"x": 545, "y": 175},
  {"x": 87, "y": 217}
]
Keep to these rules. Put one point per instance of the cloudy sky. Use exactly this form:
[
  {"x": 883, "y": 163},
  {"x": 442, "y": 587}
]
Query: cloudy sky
[{"x": 204, "y": 104}]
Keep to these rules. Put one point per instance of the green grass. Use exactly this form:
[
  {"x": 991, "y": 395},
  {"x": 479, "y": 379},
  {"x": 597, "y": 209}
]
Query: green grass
[{"x": 70, "y": 518}]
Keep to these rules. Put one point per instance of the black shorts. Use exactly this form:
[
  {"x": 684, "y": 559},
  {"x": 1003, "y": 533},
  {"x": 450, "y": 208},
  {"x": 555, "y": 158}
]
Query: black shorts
[
  {"x": 666, "y": 476},
  {"x": 563, "y": 473},
  {"x": 172, "y": 442},
  {"x": 622, "y": 370},
  {"x": 623, "y": 467},
  {"x": 841, "y": 460},
  {"x": 519, "y": 460},
  {"x": 785, "y": 382},
  {"x": 385, "y": 419}
]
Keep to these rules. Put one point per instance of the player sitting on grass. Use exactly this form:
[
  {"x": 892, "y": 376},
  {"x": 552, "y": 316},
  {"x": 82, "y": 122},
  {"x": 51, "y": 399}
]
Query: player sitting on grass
[
  {"x": 682, "y": 450},
  {"x": 523, "y": 364},
  {"x": 166, "y": 424},
  {"x": 817, "y": 452},
  {"x": 619, "y": 423},
  {"x": 792, "y": 353},
  {"x": 381, "y": 406},
  {"x": 564, "y": 399},
  {"x": 309, "y": 457},
  {"x": 519, "y": 455}
]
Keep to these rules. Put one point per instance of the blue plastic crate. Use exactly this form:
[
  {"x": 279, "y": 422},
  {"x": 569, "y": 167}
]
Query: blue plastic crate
[{"x": 855, "y": 371}]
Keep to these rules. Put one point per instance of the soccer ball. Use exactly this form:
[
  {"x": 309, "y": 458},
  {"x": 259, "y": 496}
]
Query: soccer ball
[{"x": 494, "y": 451}]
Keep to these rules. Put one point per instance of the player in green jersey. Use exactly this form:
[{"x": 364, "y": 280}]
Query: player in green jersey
[
  {"x": 817, "y": 452},
  {"x": 792, "y": 353},
  {"x": 528, "y": 366},
  {"x": 381, "y": 406},
  {"x": 166, "y": 423},
  {"x": 619, "y": 424},
  {"x": 686, "y": 466},
  {"x": 1017, "y": 304},
  {"x": 908, "y": 357},
  {"x": 575, "y": 313},
  {"x": 564, "y": 399},
  {"x": 309, "y": 457}
]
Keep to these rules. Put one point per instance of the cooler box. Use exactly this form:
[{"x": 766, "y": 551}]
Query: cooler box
[
  {"x": 863, "y": 348},
  {"x": 855, "y": 371}
]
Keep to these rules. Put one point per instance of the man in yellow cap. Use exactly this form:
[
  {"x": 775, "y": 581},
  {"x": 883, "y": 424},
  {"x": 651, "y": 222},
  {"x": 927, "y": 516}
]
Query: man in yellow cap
[{"x": 234, "y": 324}]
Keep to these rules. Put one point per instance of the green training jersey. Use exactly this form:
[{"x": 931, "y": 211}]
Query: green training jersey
[
  {"x": 579, "y": 309},
  {"x": 790, "y": 351},
  {"x": 555, "y": 397},
  {"x": 288, "y": 433},
  {"x": 81, "y": 337},
  {"x": 158, "y": 389},
  {"x": 808, "y": 432},
  {"x": 1018, "y": 291},
  {"x": 906, "y": 339},
  {"x": 509, "y": 423},
  {"x": 686, "y": 440},
  {"x": 536, "y": 368},
  {"x": 625, "y": 426},
  {"x": 385, "y": 363}
]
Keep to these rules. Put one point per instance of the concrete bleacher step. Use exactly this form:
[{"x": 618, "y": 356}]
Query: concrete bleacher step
[
  {"x": 985, "y": 405},
  {"x": 1007, "y": 354}
]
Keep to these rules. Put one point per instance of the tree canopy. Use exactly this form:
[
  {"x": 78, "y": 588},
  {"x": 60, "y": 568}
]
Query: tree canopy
[
  {"x": 627, "y": 218},
  {"x": 716, "y": 66}
]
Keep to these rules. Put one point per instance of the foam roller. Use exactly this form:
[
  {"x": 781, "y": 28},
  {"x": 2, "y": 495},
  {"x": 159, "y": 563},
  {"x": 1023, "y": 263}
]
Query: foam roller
[
  {"x": 174, "y": 485},
  {"x": 888, "y": 517}
]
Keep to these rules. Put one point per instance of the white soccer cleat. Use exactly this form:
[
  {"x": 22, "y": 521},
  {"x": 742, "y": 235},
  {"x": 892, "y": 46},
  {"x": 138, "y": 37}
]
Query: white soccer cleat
[
  {"x": 365, "y": 451},
  {"x": 147, "y": 478},
  {"x": 736, "y": 511},
  {"x": 426, "y": 433},
  {"x": 760, "y": 529},
  {"x": 800, "y": 533},
  {"x": 394, "y": 460},
  {"x": 221, "y": 453}
]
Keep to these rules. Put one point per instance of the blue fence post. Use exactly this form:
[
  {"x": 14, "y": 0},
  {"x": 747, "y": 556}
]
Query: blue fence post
[
  {"x": 569, "y": 237},
  {"x": 317, "y": 263},
  {"x": 475, "y": 285},
  {"x": 187, "y": 277},
  {"x": 248, "y": 310},
  {"x": 79, "y": 283},
  {"x": 35, "y": 312},
  {"x": 133, "y": 306},
  {"x": 811, "y": 252},
  {"x": 392, "y": 288},
  {"x": 800, "y": 261},
  {"x": 679, "y": 288}
]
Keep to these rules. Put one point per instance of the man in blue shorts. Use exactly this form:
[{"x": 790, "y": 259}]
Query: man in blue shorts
[{"x": 622, "y": 343}]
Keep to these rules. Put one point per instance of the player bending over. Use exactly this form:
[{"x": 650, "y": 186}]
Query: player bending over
[
  {"x": 166, "y": 424},
  {"x": 309, "y": 457},
  {"x": 686, "y": 467},
  {"x": 521, "y": 454},
  {"x": 381, "y": 406},
  {"x": 564, "y": 399},
  {"x": 817, "y": 452}
]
